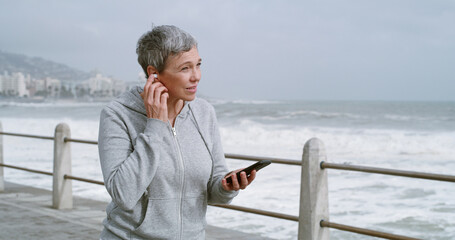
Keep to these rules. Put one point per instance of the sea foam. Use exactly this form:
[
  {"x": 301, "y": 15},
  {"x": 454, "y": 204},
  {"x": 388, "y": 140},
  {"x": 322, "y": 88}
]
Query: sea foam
[{"x": 365, "y": 200}]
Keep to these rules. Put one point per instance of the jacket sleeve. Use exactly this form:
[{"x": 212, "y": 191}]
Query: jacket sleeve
[
  {"x": 216, "y": 192},
  {"x": 128, "y": 170}
]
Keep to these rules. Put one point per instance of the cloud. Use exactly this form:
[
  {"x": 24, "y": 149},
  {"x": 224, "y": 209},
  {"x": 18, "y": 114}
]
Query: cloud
[{"x": 256, "y": 49}]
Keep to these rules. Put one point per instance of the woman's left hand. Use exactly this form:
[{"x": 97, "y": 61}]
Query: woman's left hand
[{"x": 235, "y": 185}]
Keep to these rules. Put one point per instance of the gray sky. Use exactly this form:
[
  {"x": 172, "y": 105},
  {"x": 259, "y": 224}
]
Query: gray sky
[{"x": 257, "y": 49}]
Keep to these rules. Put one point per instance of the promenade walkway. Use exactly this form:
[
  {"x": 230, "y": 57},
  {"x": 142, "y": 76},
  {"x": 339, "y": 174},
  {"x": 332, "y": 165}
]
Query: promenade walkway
[{"x": 26, "y": 213}]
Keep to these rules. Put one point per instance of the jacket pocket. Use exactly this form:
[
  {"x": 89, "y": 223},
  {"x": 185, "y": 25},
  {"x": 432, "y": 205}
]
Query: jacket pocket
[
  {"x": 194, "y": 217},
  {"x": 160, "y": 220}
]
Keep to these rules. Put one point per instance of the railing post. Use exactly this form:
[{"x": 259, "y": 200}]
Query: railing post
[
  {"x": 62, "y": 192},
  {"x": 2, "y": 180},
  {"x": 314, "y": 205}
]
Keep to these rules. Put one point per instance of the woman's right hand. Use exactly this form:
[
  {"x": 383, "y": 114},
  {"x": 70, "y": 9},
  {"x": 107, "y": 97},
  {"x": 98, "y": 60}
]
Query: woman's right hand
[{"x": 155, "y": 99}]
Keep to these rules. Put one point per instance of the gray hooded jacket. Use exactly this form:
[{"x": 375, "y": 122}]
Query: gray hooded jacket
[{"x": 160, "y": 178}]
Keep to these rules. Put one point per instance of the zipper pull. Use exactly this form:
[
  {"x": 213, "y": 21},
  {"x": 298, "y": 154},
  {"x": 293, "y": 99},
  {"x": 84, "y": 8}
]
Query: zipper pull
[{"x": 173, "y": 131}]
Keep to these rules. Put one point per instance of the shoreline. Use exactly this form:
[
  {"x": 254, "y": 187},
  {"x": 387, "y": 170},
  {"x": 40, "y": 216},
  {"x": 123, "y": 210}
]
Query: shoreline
[{"x": 53, "y": 100}]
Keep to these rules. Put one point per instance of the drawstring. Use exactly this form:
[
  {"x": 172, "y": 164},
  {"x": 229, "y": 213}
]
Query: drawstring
[{"x": 203, "y": 139}]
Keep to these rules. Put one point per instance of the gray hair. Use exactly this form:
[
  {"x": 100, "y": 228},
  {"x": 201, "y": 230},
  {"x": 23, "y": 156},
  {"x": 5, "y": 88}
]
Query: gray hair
[{"x": 155, "y": 46}]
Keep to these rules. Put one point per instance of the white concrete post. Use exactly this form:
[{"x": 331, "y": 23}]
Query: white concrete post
[
  {"x": 314, "y": 204},
  {"x": 2, "y": 180},
  {"x": 62, "y": 191}
]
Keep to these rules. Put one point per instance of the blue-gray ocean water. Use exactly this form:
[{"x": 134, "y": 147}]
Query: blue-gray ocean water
[{"x": 417, "y": 136}]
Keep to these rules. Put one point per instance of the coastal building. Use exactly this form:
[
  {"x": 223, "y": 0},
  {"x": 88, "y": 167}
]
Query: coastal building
[
  {"x": 98, "y": 86},
  {"x": 37, "y": 87},
  {"x": 119, "y": 87},
  {"x": 14, "y": 84},
  {"x": 102, "y": 86},
  {"x": 52, "y": 86}
]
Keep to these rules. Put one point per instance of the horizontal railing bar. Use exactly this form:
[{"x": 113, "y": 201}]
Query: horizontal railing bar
[
  {"x": 386, "y": 171},
  {"x": 66, "y": 176},
  {"x": 364, "y": 231},
  {"x": 234, "y": 207},
  {"x": 256, "y": 158},
  {"x": 80, "y": 140},
  {"x": 259, "y": 212},
  {"x": 26, "y": 169},
  {"x": 227, "y": 155},
  {"x": 27, "y": 135}
]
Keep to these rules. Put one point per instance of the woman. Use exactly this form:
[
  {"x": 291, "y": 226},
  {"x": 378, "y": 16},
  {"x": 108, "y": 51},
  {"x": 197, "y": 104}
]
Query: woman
[{"x": 160, "y": 148}]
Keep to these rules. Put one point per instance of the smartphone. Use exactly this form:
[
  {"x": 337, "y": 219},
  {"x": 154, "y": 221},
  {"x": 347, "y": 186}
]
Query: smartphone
[{"x": 257, "y": 166}]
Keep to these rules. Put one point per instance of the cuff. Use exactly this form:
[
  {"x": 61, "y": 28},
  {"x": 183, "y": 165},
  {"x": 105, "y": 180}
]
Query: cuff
[
  {"x": 227, "y": 194},
  {"x": 156, "y": 127}
]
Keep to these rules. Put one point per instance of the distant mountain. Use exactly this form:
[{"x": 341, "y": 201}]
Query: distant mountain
[{"x": 39, "y": 68}]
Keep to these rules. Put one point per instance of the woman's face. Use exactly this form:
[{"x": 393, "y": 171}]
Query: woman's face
[{"x": 181, "y": 75}]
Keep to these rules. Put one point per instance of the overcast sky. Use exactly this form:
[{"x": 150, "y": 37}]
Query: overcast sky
[{"x": 257, "y": 49}]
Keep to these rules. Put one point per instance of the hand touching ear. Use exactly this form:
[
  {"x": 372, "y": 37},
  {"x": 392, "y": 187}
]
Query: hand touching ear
[{"x": 155, "y": 97}]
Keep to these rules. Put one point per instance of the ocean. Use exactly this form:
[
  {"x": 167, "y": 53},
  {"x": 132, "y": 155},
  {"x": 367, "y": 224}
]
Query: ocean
[{"x": 418, "y": 136}]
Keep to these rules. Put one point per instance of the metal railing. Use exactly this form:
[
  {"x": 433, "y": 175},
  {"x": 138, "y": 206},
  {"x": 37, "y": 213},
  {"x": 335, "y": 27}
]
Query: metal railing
[
  {"x": 313, "y": 218},
  {"x": 393, "y": 172}
]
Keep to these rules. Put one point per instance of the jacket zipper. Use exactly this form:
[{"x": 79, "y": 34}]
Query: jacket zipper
[{"x": 182, "y": 182}]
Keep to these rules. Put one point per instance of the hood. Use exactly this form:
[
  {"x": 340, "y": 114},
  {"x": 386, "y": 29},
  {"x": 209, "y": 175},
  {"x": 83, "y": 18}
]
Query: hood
[{"x": 132, "y": 99}]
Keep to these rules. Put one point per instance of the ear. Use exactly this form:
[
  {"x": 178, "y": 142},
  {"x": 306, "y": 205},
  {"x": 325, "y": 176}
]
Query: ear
[{"x": 151, "y": 70}]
